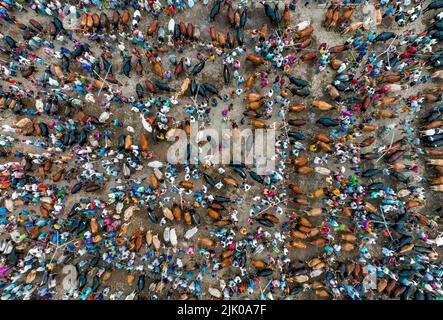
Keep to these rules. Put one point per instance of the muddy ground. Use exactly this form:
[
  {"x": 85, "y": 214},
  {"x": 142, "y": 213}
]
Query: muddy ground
[{"x": 213, "y": 73}]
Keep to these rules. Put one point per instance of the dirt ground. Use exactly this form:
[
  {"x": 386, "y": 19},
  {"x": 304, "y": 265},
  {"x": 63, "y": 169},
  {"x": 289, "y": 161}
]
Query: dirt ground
[{"x": 213, "y": 73}]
